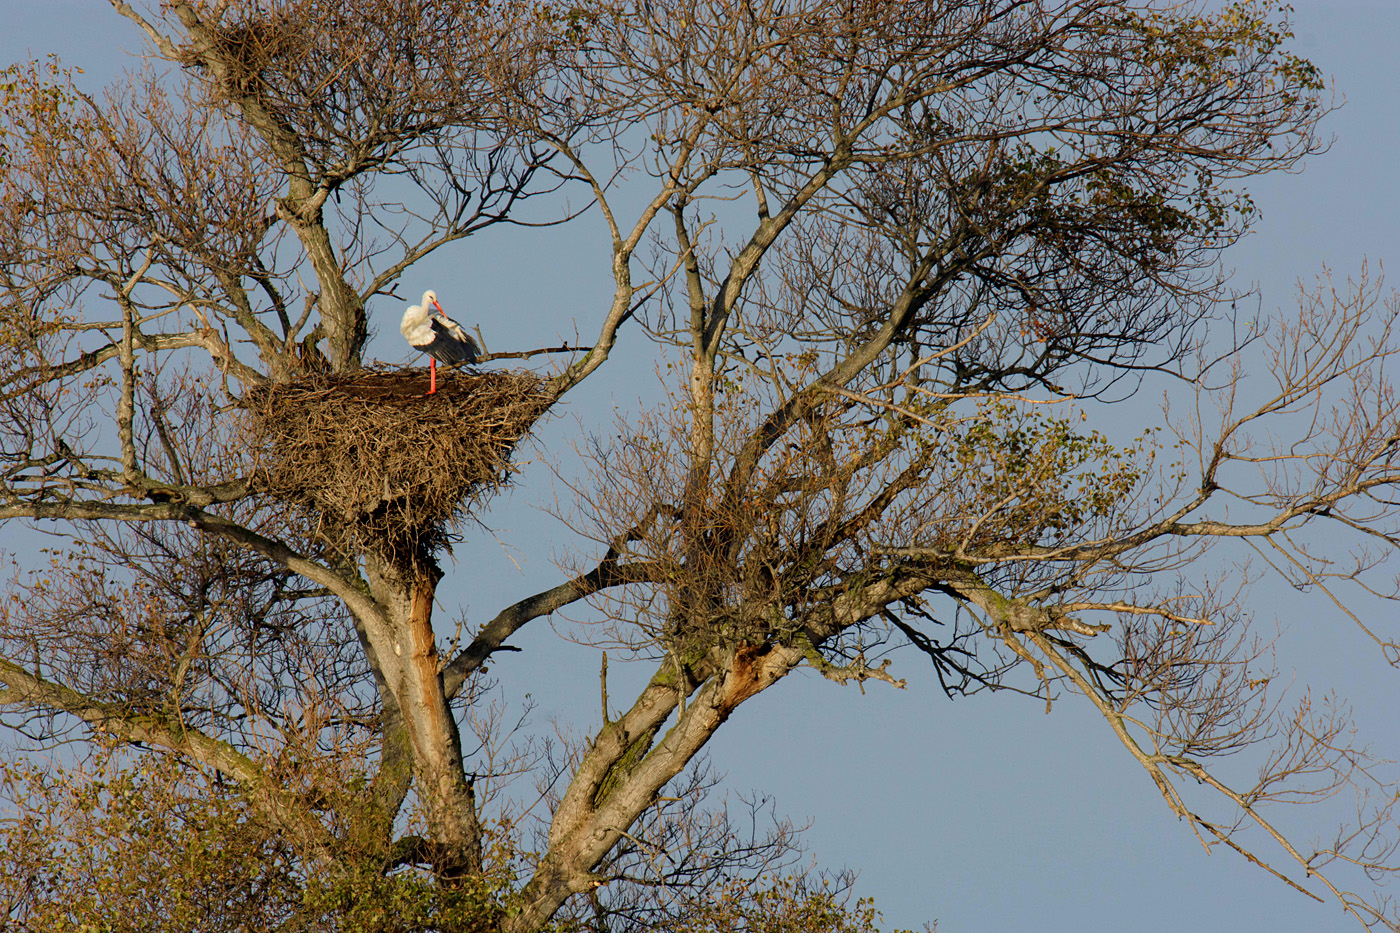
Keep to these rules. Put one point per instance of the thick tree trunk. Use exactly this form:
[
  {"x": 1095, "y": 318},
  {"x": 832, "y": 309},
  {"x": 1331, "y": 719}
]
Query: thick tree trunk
[
  {"x": 585, "y": 829},
  {"x": 409, "y": 657},
  {"x": 342, "y": 313}
]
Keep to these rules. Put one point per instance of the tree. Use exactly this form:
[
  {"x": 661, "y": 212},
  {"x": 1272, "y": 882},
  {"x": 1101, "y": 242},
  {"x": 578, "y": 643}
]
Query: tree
[{"x": 892, "y": 258}]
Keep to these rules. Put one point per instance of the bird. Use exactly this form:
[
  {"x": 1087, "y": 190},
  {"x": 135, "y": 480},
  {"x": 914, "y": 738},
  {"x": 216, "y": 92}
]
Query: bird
[{"x": 428, "y": 330}]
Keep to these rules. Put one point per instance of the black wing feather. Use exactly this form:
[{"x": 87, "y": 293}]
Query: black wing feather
[{"x": 451, "y": 344}]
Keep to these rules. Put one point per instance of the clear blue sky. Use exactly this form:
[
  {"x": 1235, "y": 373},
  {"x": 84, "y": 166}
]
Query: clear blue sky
[{"x": 984, "y": 814}]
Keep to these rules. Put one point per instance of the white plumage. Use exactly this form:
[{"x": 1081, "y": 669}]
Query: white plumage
[{"x": 428, "y": 330}]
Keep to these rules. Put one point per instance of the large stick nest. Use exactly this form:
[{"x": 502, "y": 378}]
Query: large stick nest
[{"x": 380, "y": 464}]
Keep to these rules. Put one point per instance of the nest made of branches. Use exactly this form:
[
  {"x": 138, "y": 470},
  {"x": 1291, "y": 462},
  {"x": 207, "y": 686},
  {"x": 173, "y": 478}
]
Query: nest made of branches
[
  {"x": 380, "y": 463},
  {"x": 245, "y": 49}
]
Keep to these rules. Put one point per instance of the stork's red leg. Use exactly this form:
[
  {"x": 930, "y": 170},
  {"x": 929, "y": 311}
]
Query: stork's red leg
[{"x": 432, "y": 372}]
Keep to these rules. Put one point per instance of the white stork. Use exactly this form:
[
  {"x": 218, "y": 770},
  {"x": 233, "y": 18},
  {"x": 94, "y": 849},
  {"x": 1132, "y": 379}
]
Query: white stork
[{"x": 430, "y": 331}]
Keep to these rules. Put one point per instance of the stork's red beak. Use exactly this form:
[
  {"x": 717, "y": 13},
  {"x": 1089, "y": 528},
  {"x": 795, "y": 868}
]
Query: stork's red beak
[{"x": 438, "y": 306}]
